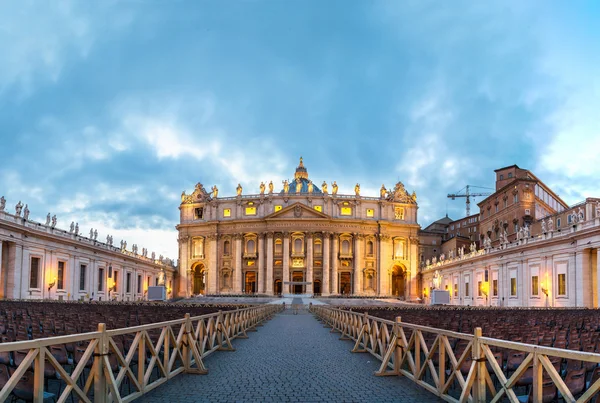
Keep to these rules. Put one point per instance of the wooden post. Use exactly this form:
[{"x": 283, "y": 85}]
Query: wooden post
[
  {"x": 100, "y": 395},
  {"x": 479, "y": 358},
  {"x": 399, "y": 345},
  {"x": 537, "y": 378},
  {"x": 186, "y": 344},
  {"x": 38, "y": 375}
]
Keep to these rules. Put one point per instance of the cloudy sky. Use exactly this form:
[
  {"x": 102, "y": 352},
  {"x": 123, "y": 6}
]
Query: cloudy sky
[{"x": 109, "y": 109}]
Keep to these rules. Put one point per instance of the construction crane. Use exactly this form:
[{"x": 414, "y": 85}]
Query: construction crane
[{"x": 467, "y": 193}]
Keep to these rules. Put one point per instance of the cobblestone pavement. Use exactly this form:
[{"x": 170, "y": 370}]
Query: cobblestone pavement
[{"x": 292, "y": 358}]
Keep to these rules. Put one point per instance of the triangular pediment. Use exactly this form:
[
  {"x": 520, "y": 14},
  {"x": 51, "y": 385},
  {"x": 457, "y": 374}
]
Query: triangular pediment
[{"x": 298, "y": 211}]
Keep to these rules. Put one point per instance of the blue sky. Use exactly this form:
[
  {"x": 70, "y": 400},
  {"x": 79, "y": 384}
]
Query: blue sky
[{"x": 108, "y": 109}]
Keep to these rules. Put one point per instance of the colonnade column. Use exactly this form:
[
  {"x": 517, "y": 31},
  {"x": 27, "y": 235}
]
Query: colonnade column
[
  {"x": 325, "y": 283},
  {"x": 261, "y": 263},
  {"x": 358, "y": 289},
  {"x": 383, "y": 265},
  {"x": 237, "y": 277},
  {"x": 213, "y": 267},
  {"x": 184, "y": 278},
  {"x": 334, "y": 265},
  {"x": 597, "y": 280},
  {"x": 286, "y": 264},
  {"x": 309, "y": 264},
  {"x": 1, "y": 273},
  {"x": 269, "y": 264}
]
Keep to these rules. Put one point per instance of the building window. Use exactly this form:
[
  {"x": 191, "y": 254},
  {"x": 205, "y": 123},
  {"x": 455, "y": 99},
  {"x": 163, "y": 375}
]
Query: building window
[
  {"x": 346, "y": 211},
  {"x": 156, "y": 282},
  {"x": 558, "y": 223},
  {"x": 534, "y": 285},
  {"x": 510, "y": 174},
  {"x": 115, "y": 279},
  {"x": 513, "y": 286},
  {"x": 516, "y": 227},
  {"x": 100, "y": 279},
  {"x": 466, "y": 289},
  {"x": 345, "y": 247},
  {"x": 318, "y": 247},
  {"x": 479, "y": 289},
  {"x": 198, "y": 244},
  {"x": 128, "y": 283},
  {"x": 139, "y": 284},
  {"x": 82, "y": 270},
  {"x": 227, "y": 212},
  {"x": 34, "y": 274},
  {"x": 501, "y": 177},
  {"x": 251, "y": 247},
  {"x": 251, "y": 210},
  {"x": 278, "y": 207},
  {"x": 399, "y": 245},
  {"x": 516, "y": 198},
  {"x": 399, "y": 213},
  {"x": 495, "y": 287},
  {"x": 318, "y": 208},
  {"x": 562, "y": 284},
  {"x": 496, "y": 208},
  {"x": 505, "y": 201},
  {"x": 370, "y": 248},
  {"x": 455, "y": 290},
  {"x": 278, "y": 247},
  {"x": 226, "y": 248},
  {"x": 60, "y": 276},
  {"x": 370, "y": 213},
  {"x": 198, "y": 213}
]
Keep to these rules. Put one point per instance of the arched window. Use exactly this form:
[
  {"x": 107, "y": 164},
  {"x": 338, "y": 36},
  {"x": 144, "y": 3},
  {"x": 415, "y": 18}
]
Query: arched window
[
  {"x": 198, "y": 247},
  {"x": 251, "y": 246},
  {"x": 399, "y": 248},
  {"x": 298, "y": 245},
  {"x": 369, "y": 247},
  {"x": 318, "y": 247},
  {"x": 226, "y": 247},
  {"x": 278, "y": 247},
  {"x": 345, "y": 247}
]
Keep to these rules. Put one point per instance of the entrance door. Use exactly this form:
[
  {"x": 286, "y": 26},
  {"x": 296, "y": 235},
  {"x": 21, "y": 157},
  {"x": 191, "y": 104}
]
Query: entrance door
[
  {"x": 298, "y": 276},
  {"x": 277, "y": 287},
  {"x": 317, "y": 287},
  {"x": 398, "y": 282},
  {"x": 250, "y": 286},
  {"x": 345, "y": 283},
  {"x": 198, "y": 281}
]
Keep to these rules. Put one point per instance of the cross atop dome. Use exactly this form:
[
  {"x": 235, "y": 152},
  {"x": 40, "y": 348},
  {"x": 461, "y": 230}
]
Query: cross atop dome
[{"x": 301, "y": 172}]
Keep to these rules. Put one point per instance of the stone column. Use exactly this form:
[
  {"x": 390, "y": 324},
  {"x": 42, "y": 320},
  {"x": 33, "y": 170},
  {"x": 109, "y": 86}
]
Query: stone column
[
  {"x": 309, "y": 263},
  {"x": 384, "y": 257},
  {"x": 19, "y": 274},
  {"x": 286, "y": 263},
  {"x": 269, "y": 284},
  {"x": 596, "y": 284},
  {"x": 2, "y": 293},
  {"x": 237, "y": 277},
  {"x": 358, "y": 288},
  {"x": 334, "y": 265},
  {"x": 261, "y": 263},
  {"x": 213, "y": 265},
  {"x": 413, "y": 292},
  {"x": 325, "y": 283},
  {"x": 583, "y": 287},
  {"x": 184, "y": 279}
]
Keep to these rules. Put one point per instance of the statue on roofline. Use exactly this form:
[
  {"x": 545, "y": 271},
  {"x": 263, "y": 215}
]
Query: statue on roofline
[
  {"x": 215, "y": 192},
  {"x": 286, "y": 186},
  {"x": 357, "y": 189},
  {"x": 26, "y": 213},
  {"x": 262, "y": 188},
  {"x": 334, "y": 188},
  {"x": 271, "y": 187},
  {"x": 382, "y": 191},
  {"x": 54, "y": 221},
  {"x": 18, "y": 208},
  {"x": 2, "y": 203},
  {"x": 310, "y": 187},
  {"x": 324, "y": 187},
  {"x": 48, "y": 219},
  {"x": 239, "y": 189},
  {"x": 298, "y": 185}
]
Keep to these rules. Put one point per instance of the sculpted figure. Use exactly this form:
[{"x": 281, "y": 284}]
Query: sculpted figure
[
  {"x": 153, "y": 255},
  {"x": 427, "y": 262},
  {"x": 543, "y": 226},
  {"x": 48, "y": 219},
  {"x": 414, "y": 196},
  {"x": 77, "y": 228},
  {"x": 26, "y": 213},
  {"x": 334, "y": 188},
  {"x": 2, "y": 203},
  {"x": 95, "y": 234},
  {"x": 18, "y": 208},
  {"x": 271, "y": 187},
  {"x": 434, "y": 260},
  {"x": 72, "y": 227},
  {"x": 91, "y": 233},
  {"x": 161, "y": 277},
  {"x": 298, "y": 185},
  {"x": 182, "y": 196},
  {"x": 124, "y": 245},
  {"x": 239, "y": 189},
  {"x": 442, "y": 257},
  {"x": 108, "y": 239},
  {"x": 324, "y": 187},
  {"x": 451, "y": 254},
  {"x": 597, "y": 207},
  {"x": 310, "y": 187},
  {"x": 382, "y": 191},
  {"x": 286, "y": 186},
  {"x": 473, "y": 247},
  {"x": 550, "y": 224},
  {"x": 357, "y": 189},
  {"x": 215, "y": 191},
  {"x": 54, "y": 221},
  {"x": 581, "y": 214},
  {"x": 262, "y": 188}
]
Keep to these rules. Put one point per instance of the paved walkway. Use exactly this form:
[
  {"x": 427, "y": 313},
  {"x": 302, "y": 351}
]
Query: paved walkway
[{"x": 292, "y": 358}]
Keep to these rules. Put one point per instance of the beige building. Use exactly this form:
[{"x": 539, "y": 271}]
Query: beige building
[
  {"x": 42, "y": 261},
  {"x": 303, "y": 239}
]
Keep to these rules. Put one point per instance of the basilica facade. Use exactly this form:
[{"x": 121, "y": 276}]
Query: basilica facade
[{"x": 302, "y": 239}]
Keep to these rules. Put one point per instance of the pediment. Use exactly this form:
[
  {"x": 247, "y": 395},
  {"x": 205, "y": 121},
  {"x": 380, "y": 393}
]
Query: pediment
[{"x": 298, "y": 211}]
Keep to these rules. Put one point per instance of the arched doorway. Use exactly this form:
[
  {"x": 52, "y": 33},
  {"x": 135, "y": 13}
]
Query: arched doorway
[
  {"x": 250, "y": 282},
  {"x": 198, "y": 279},
  {"x": 277, "y": 287},
  {"x": 345, "y": 283},
  {"x": 298, "y": 277},
  {"x": 398, "y": 281}
]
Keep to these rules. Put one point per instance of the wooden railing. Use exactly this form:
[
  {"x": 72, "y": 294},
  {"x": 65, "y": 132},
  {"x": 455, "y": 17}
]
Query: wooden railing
[
  {"x": 157, "y": 353},
  {"x": 428, "y": 357}
]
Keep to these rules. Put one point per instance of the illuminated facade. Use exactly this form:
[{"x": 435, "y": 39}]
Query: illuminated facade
[
  {"x": 42, "y": 261},
  {"x": 303, "y": 239}
]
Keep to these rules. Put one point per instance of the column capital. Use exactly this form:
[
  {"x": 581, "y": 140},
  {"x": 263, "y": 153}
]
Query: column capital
[
  {"x": 212, "y": 237},
  {"x": 270, "y": 234},
  {"x": 238, "y": 236},
  {"x": 286, "y": 234}
]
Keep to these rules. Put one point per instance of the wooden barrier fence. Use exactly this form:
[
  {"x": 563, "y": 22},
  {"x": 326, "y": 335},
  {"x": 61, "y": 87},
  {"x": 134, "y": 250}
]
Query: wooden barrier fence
[
  {"x": 158, "y": 352},
  {"x": 402, "y": 349}
]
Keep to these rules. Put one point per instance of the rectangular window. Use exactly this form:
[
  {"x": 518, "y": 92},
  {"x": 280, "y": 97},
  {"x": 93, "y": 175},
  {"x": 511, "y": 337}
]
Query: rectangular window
[
  {"x": 496, "y": 208},
  {"x": 346, "y": 211},
  {"x": 60, "y": 276},
  {"x": 139, "y": 284},
  {"x": 319, "y": 208},
  {"x": 466, "y": 289},
  {"x": 149, "y": 281},
  {"x": 534, "y": 285},
  {"x": 479, "y": 289},
  {"x": 227, "y": 212},
  {"x": 370, "y": 213},
  {"x": 82, "y": 270},
  {"x": 558, "y": 223},
  {"x": 513, "y": 286},
  {"x": 128, "y": 283},
  {"x": 495, "y": 287},
  {"x": 156, "y": 281},
  {"x": 516, "y": 198},
  {"x": 562, "y": 284},
  {"x": 198, "y": 213},
  {"x": 100, "y": 279},
  {"x": 399, "y": 213},
  {"x": 115, "y": 279},
  {"x": 34, "y": 274},
  {"x": 456, "y": 290},
  {"x": 251, "y": 210},
  {"x": 278, "y": 207}
]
